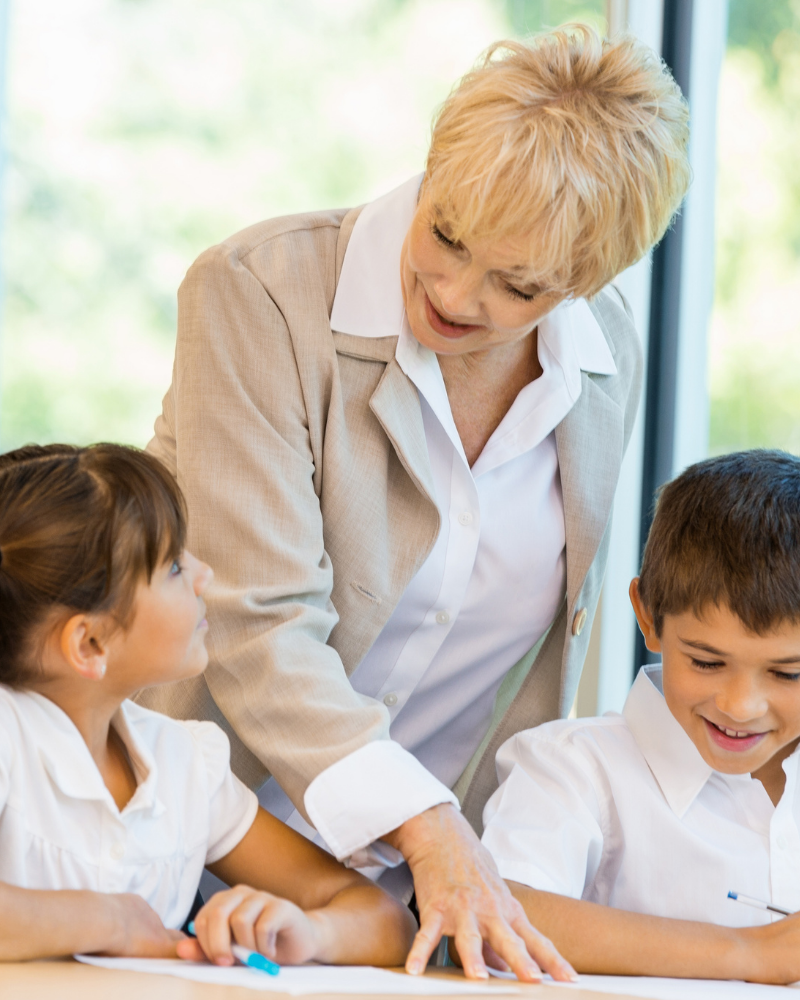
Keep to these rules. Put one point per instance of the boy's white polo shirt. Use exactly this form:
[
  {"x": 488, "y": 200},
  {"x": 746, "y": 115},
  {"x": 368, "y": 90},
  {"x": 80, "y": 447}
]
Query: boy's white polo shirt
[
  {"x": 61, "y": 829},
  {"x": 623, "y": 810}
]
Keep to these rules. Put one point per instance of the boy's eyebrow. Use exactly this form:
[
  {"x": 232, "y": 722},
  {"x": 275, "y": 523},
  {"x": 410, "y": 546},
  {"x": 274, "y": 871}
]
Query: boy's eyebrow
[{"x": 696, "y": 644}]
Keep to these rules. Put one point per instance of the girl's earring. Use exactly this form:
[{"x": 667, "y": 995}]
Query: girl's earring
[{"x": 101, "y": 670}]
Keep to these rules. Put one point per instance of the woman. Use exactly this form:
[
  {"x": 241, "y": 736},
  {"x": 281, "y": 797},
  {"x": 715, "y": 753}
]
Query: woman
[{"x": 399, "y": 431}]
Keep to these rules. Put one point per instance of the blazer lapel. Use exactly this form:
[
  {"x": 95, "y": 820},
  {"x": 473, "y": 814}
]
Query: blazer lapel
[
  {"x": 589, "y": 442},
  {"x": 395, "y": 403}
]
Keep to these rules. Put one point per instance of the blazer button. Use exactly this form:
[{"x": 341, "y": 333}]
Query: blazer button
[{"x": 579, "y": 621}]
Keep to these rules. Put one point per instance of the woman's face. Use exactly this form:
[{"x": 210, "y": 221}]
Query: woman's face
[{"x": 469, "y": 297}]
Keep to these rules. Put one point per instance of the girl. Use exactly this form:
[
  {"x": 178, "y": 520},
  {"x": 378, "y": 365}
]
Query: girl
[{"x": 108, "y": 811}]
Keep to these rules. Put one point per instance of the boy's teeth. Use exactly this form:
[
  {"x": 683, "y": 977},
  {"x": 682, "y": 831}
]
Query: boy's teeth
[{"x": 733, "y": 732}]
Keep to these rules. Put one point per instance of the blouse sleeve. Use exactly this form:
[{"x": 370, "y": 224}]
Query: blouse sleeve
[
  {"x": 542, "y": 825},
  {"x": 232, "y": 806}
]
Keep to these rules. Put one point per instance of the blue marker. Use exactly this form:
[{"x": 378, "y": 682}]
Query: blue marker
[
  {"x": 759, "y": 904},
  {"x": 252, "y": 959}
]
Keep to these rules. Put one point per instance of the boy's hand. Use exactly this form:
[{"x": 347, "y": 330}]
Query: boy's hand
[
  {"x": 136, "y": 929},
  {"x": 772, "y": 952},
  {"x": 258, "y": 921}
]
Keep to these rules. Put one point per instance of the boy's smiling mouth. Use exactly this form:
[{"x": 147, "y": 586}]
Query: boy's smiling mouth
[{"x": 737, "y": 740}]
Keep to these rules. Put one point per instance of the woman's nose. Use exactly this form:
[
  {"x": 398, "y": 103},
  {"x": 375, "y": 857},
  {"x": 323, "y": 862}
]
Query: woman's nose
[{"x": 458, "y": 293}]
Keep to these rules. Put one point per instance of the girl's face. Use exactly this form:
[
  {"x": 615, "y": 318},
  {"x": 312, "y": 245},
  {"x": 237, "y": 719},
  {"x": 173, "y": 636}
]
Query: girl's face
[{"x": 166, "y": 639}]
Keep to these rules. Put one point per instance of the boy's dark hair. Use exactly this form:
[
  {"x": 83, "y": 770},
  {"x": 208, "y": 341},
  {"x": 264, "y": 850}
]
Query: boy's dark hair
[
  {"x": 79, "y": 528},
  {"x": 726, "y": 532}
]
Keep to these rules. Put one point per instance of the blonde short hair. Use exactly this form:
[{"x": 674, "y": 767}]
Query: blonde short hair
[{"x": 571, "y": 143}]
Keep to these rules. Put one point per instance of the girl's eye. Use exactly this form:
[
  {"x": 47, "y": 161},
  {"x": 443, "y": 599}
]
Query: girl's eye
[
  {"x": 439, "y": 235},
  {"x": 176, "y": 569},
  {"x": 517, "y": 294}
]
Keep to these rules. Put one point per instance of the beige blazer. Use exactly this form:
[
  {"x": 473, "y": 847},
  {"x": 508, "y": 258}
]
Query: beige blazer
[{"x": 302, "y": 455}]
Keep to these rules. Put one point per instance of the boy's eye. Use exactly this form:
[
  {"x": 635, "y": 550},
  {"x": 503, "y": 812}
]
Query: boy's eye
[
  {"x": 707, "y": 664},
  {"x": 176, "y": 569},
  {"x": 782, "y": 675}
]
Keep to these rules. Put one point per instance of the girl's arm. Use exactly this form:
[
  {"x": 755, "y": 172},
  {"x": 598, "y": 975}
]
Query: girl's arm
[
  {"x": 43, "y": 924},
  {"x": 606, "y": 941},
  {"x": 323, "y": 910}
]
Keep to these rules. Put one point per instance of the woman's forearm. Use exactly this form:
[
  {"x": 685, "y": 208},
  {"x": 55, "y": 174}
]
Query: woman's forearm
[
  {"x": 362, "y": 925},
  {"x": 603, "y": 940}
]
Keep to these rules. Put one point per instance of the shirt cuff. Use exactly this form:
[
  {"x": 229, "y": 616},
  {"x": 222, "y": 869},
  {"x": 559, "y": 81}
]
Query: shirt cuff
[{"x": 373, "y": 790}]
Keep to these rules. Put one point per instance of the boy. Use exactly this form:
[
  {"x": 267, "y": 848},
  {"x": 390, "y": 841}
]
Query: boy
[{"x": 622, "y": 836}]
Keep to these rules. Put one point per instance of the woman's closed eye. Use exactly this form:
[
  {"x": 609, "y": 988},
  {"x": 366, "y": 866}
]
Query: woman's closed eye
[{"x": 441, "y": 238}]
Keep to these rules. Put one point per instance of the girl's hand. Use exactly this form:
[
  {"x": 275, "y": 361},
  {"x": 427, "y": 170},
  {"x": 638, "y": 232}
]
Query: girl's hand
[
  {"x": 136, "y": 929},
  {"x": 258, "y": 921}
]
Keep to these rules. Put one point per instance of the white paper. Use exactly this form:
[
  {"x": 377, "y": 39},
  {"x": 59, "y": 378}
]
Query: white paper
[
  {"x": 303, "y": 980},
  {"x": 652, "y": 988}
]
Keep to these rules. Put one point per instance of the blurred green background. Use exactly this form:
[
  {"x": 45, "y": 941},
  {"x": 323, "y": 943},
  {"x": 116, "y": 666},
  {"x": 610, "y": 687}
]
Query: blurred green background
[{"x": 142, "y": 131}]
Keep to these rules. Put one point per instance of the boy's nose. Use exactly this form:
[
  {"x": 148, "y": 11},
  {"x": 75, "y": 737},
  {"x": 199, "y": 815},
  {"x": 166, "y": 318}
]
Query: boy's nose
[{"x": 742, "y": 701}]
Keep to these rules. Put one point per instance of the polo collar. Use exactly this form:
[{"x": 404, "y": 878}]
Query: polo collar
[
  {"x": 369, "y": 299},
  {"x": 675, "y": 761},
  {"x": 71, "y": 767}
]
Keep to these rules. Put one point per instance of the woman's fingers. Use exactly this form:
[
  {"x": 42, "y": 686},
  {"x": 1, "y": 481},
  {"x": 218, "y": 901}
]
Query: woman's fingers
[
  {"x": 428, "y": 936},
  {"x": 545, "y": 953},
  {"x": 469, "y": 945}
]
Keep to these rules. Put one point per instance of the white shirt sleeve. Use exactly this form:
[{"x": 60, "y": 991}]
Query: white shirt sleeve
[
  {"x": 232, "y": 806},
  {"x": 542, "y": 826},
  {"x": 361, "y": 797}
]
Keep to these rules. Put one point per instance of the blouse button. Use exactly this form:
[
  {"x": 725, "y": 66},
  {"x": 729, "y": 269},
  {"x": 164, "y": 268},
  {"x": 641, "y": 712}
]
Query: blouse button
[
  {"x": 442, "y": 617},
  {"x": 117, "y": 851},
  {"x": 465, "y": 517},
  {"x": 390, "y": 699},
  {"x": 579, "y": 621}
]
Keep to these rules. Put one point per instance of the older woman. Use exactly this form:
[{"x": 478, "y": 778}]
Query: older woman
[{"x": 399, "y": 431}]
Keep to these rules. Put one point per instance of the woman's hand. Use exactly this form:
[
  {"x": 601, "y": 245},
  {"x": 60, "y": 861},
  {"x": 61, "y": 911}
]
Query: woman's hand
[
  {"x": 258, "y": 921},
  {"x": 460, "y": 893}
]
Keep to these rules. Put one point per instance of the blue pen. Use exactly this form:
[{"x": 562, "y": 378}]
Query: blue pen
[
  {"x": 252, "y": 959},
  {"x": 759, "y": 904}
]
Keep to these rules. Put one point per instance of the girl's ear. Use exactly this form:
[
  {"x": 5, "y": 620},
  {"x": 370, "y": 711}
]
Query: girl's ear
[
  {"x": 84, "y": 647},
  {"x": 644, "y": 618}
]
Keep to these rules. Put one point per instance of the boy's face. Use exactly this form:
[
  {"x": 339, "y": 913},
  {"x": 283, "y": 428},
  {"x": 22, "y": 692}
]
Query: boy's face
[{"x": 735, "y": 693}]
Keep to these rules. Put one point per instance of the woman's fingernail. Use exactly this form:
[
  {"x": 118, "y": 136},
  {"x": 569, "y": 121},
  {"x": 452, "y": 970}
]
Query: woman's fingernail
[
  {"x": 414, "y": 968},
  {"x": 480, "y": 973}
]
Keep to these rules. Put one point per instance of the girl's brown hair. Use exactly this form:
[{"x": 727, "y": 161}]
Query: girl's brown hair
[{"x": 79, "y": 529}]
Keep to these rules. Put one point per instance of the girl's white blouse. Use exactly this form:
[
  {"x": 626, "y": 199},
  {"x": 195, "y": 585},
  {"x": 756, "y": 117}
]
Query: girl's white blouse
[{"x": 61, "y": 829}]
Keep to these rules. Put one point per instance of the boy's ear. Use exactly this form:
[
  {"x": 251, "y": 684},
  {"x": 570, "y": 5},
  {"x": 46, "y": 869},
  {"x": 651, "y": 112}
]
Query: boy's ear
[
  {"x": 644, "y": 618},
  {"x": 84, "y": 647}
]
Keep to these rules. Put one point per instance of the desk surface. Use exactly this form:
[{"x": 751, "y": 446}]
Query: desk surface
[{"x": 70, "y": 980}]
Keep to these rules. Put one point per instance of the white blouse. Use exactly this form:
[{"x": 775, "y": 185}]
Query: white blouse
[
  {"x": 623, "y": 810},
  {"x": 61, "y": 829}
]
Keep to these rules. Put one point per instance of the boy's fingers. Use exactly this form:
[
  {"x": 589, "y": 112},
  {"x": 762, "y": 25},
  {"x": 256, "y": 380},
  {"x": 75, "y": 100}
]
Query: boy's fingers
[{"x": 427, "y": 938}]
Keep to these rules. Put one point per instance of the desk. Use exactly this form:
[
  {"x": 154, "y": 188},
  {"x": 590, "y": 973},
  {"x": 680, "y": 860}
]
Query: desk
[{"x": 65, "y": 979}]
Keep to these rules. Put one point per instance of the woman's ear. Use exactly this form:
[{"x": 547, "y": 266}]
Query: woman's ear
[
  {"x": 83, "y": 646},
  {"x": 644, "y": 618}
]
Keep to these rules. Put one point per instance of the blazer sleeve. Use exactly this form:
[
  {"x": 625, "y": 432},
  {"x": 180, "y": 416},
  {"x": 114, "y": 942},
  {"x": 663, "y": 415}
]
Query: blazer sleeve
[{"x": 235, "y": 429}]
